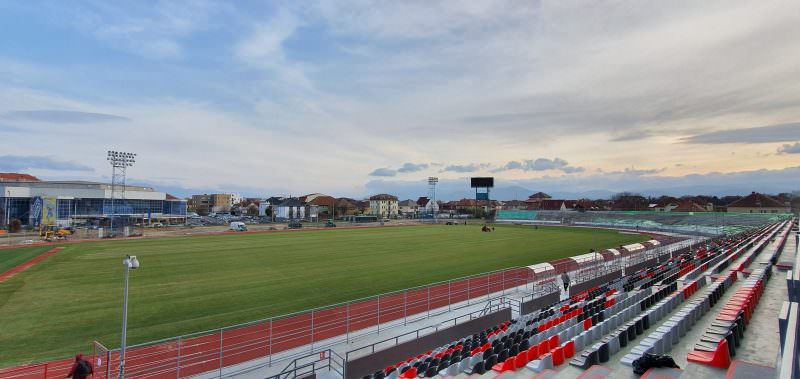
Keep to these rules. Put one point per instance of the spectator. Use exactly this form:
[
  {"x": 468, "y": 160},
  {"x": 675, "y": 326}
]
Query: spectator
[
  {"x": 80, "y": 369},
  {"x": 565, "y": 279}
]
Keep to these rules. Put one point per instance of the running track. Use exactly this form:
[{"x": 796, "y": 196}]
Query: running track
[{"x": 28, "y": 264}]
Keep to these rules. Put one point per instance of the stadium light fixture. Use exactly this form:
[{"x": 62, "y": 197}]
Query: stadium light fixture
[
  {"x": 130, "y": 263},
  {"x": 119, "y": 161}
]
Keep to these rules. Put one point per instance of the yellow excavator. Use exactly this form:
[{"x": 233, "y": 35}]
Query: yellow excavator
[{"x": 53, "y": 233}]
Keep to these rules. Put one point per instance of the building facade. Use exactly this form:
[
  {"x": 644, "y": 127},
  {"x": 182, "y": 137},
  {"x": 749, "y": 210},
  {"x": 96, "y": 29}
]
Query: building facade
[
  {"x": 67, "y": 203},
  {"x": 213, "y": 203},
  {"x": 383, "y": 205},
  {"x": 408, "y": 208}
]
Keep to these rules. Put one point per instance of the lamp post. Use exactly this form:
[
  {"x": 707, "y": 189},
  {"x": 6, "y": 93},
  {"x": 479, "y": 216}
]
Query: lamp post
[{"x": 130, "y": 262}]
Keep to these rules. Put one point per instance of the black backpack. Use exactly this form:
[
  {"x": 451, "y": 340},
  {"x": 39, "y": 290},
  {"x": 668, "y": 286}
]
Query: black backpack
[{"x": 84, "y": 368}]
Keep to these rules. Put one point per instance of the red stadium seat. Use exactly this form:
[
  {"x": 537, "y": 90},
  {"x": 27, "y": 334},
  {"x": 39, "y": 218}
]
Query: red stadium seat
[
  {"x": 558, "y": 355},
  {"x": 569, "y": 349},
  {"x": 409, "y": 374},
  {"x": 720, "y": 358},
  {"x": 508, "y": 365},
  {"x": 533, "y": 352}
]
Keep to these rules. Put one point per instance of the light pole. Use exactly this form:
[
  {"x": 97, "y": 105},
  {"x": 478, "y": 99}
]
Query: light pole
[{"x": 130, "y": 262}]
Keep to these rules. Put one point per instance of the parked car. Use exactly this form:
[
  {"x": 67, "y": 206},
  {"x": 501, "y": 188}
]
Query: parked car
[{"x": 238, "y": 226}]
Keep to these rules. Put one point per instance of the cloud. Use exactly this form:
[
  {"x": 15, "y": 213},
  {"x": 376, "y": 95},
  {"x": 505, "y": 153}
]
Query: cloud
[
  {"x": 472, "y": 167},
  {"x": 385, "y": 171},
  {"x": 635, "y": 172},
  {"x": 540, "y": 164},
  {"x": 62, "y": 117},
  {"x": 412, "y": 167},
  {"x": 789, "y": 149},
  {"x": 16, "y": 163},
  {"x": 764, "y": 134},
  {"x": 632, "y": 135},
  {"x": 154, "y": 31}
]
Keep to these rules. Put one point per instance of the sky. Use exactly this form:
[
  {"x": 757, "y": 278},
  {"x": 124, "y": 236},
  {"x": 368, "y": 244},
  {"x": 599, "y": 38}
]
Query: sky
[{"x": 356, "y": 97}]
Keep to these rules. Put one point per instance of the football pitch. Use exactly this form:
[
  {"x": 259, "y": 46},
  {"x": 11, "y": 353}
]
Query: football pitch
[{"x": 189, "y": 284}]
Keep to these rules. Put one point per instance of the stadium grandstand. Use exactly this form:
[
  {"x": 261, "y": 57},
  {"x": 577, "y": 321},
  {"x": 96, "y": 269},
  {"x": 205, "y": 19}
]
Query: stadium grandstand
[{"x": 705, "y": 223}]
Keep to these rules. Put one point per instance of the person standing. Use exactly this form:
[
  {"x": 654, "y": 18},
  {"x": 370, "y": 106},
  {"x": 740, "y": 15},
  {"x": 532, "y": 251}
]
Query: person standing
[
  {"x": 80, "y": 369},
  {"x": 565, "y": 279}
]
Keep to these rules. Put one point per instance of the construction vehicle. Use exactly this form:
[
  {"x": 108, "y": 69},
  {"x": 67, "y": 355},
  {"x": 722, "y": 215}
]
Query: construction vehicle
[{"x": 53, "y": 233}]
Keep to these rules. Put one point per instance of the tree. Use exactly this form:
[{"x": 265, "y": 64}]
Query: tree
[
  {"x": 15, "y": 225},
  {"x": 627, "y": 201},
  {"x": 252, "y": 210}
]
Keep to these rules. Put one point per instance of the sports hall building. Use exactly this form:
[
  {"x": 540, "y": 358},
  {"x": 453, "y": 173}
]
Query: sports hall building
[{"x": 67, "y": 203}]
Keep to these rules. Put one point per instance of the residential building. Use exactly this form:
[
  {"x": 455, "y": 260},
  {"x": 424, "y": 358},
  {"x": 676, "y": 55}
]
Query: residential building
[
  {"x": 537, "y": 198},
  {"x": 408, "y": 208},
  {"x": 67, "y": 203},
  {"x": 426, "y": 206},
  {"x": 346, "y": 207},
  {"x": 665, "y": 204},
  {"x": 383, "y": 205},
  {"x": 319, "y": 206},
  {"x": 290, "y": 208},
  {"x": 235, "y": 199},
  {"x": 212, "y": 203},
  {"x": 515, "y": 205},
  {"x": 758, "y": 203}
]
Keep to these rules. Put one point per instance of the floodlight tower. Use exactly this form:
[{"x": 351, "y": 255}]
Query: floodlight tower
[
  {"x": 432, "y": 180},
  {"x": 120, "y": 161}
]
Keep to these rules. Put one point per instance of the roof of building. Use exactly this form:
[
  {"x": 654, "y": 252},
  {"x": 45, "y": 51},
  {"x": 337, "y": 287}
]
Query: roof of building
[
  {"x": 407, "y": 203},
  {"x": 318, "y": 199},
  {"x": 383, "y": 196},
  {"x": 515, "y": 203},
  {"x": 289, "y": 202},
  {"x": 13, "y": 176},
  {"x": 689, "y": 205},
  {"x": 539, "y": 195},
  {"x": 756, "y": 200},
  {"x": 423, "y": 201},
  {"x": 70, "y": 184},
  {"x": 554, "y": 205},
  {"x": 665, "y": 201}
]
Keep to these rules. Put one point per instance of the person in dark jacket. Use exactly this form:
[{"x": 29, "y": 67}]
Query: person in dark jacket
[
  {"x": 565, "y": 279},
  {"x": 80, "y": 369}
]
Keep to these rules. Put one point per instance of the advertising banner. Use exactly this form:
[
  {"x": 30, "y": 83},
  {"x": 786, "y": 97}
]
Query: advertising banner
[
  {"x": 49, "y": 211},
  {"x": 36, "y": 211}
]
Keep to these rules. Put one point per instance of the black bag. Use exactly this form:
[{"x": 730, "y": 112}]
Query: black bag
[
  {"x": 648, "y": 361},
  {"x": 84, "y": 368}
]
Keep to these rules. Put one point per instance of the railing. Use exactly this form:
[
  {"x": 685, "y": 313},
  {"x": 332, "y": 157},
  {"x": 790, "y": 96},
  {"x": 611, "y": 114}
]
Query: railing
[
  {"x": 491, "y": 306},
  {"x": 282, "y": 338},
  {"x": 309, "y": 364}
]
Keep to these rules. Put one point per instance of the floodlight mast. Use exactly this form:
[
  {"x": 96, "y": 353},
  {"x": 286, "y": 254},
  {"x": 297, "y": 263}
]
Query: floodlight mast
[
  {"x": 432, "y": 180},
  {"x": 119, "y": 161}
]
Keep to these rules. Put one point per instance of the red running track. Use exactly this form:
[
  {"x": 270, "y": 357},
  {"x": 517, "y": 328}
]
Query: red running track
[{"x": 28, "y": 264}]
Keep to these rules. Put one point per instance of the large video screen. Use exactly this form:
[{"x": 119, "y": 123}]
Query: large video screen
[{"x": 482, "y": 182}]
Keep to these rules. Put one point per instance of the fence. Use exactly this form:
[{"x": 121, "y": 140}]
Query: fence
[
  {"x": 283, "y": 338},
  {"x": 278, "y": 339}
]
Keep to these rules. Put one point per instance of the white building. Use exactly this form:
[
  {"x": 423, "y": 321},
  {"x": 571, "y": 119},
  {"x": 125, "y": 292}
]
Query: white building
[
  {"x": 383, "y": 205},
  {"x": 66, "y": 202}
]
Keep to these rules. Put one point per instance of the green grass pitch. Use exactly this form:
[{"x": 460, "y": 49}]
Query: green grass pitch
[
  {"x": 190, "y": 284},
  {"x": 14, "y": 257}
]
